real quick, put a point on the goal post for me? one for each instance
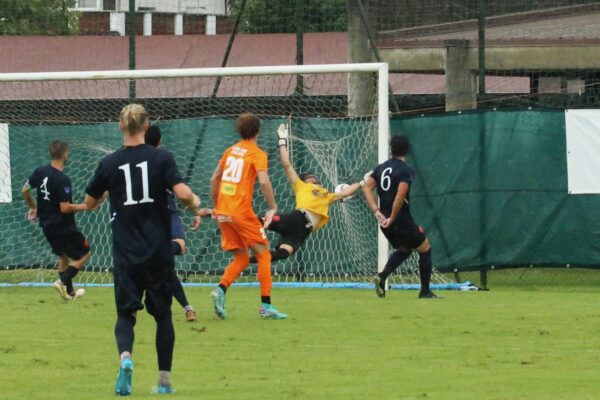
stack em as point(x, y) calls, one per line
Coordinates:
point(196, 110)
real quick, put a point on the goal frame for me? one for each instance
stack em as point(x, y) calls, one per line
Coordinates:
point(381, 69)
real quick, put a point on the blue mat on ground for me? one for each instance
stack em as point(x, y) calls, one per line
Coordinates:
point(316, 285)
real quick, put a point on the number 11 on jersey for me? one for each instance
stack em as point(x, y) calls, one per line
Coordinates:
point(143, 166)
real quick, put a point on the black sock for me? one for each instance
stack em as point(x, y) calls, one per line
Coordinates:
point(178, 292)
point(425, 270)
point(176, 248)
point(67, 276)
point(223, 288)
point(278, 254)
point(396, 258)
point(265, 299)
point(124, 333)
point(165, 341)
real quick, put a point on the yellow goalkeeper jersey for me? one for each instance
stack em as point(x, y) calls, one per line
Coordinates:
point(313, 198)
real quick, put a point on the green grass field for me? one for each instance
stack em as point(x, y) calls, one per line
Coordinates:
point(508, 343)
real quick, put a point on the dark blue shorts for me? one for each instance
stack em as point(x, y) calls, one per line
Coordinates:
point(71, 244)
point(149, 284)
point(177, 231)
point(404, 234)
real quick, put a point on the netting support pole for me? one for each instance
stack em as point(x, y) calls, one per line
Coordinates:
point(383, 140)
point(131, 31)
point(229, 45)
point(299, 45)
point(483, 279)
point(481, 38)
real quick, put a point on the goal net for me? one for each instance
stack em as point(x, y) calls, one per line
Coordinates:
point(338, 117)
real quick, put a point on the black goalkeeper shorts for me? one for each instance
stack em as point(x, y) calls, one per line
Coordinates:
point(151, 282)
point(404, 234)
point(293, 227)
point(71, 243)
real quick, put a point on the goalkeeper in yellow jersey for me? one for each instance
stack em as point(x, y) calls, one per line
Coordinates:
point(312, 205)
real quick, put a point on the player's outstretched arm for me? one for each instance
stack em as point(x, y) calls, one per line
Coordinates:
point(283, 135)
point(267, 189)
point(26, 192)
point(68, 208)
point(349, 191)
point(187, 197)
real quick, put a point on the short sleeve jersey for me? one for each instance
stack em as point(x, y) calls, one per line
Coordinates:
point(388, 176)
point(313, 198)
point(137, 179)
point(53, 187)
point(240, 164)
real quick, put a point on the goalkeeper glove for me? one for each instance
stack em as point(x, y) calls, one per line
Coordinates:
point(283, 134)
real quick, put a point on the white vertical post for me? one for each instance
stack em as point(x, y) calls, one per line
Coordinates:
point(147, 24)
point(178, 24)
point(383, 142)
point(5, 182)
point(117, 22)
point(211, 24)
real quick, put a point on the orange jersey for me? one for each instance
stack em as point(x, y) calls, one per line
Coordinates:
point(240, 164)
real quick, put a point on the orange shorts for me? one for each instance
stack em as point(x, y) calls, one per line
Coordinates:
point(241, 231)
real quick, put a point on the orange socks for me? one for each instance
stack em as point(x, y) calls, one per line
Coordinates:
point(264, 273)
point(240, 262)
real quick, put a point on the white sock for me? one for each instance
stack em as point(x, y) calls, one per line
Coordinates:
point(125, 354)
point(164, 378)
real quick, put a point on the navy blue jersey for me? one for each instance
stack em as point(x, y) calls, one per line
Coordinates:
point(388, 176)
point(171, 202)
point(53, 187)
point(137, 179)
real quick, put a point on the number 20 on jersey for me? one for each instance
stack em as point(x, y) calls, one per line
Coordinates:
point(232, 175)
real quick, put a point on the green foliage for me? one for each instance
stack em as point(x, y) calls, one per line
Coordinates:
point(338, 344)
point(38, 17)
point(289, 16)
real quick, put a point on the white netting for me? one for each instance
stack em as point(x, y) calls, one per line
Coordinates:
point(197, 126)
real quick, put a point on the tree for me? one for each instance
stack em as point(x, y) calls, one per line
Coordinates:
point(38, 17)
point(282, 16)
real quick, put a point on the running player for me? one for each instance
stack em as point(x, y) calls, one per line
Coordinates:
point(55, 213)
point(232, 187)
point(312, 205)
point(153, 138)
point(392, 180)
point(137, 178)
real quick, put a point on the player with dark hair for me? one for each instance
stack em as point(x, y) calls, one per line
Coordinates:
point(232, 187)
point(153, 138)
point(137, 178)
point(55, 213)
point(393, 179)
point(312, 205)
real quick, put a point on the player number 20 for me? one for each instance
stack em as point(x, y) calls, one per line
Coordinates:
point(233, 169)
point(143, 166)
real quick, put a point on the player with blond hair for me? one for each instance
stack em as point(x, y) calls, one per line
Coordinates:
point(137, 177)
point(232, 187)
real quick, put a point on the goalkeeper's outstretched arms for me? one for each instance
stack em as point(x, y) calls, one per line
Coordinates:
point(350, 190)
point(283, 135)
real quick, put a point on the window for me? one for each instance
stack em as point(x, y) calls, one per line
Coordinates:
point(89, 4)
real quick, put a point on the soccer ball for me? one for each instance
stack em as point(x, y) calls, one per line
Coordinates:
point(341, 187)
